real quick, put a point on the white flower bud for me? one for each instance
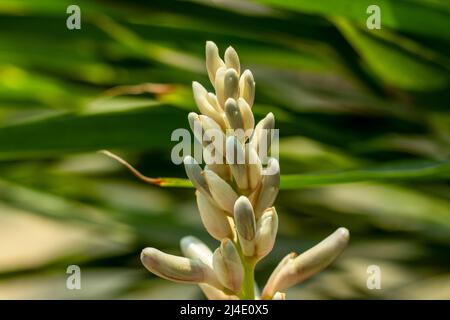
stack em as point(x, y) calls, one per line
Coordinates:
point(233, 114)
point(245, 225)
point(247, 115)
point(308, 263)
point(214, 219)
point(231, 84)
point(270, 186)
point(262, 135)
point(215, 294)
point(247, 87)
point(204, 105)
point(228, 266)
point(222, 170)
point(221, 191)
point(266, 232)
point(254, 167)
point(213, 60)
point(212, 99)
point(220, 85)
point(232, 59)
point(236, 159)
point(279, 296)
point(271, 282)
point(178, 269)
point(193, 248)
point(194, 173)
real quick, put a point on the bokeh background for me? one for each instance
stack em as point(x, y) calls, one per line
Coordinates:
point(364, 122)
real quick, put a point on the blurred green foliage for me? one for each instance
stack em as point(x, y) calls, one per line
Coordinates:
point(364, 123)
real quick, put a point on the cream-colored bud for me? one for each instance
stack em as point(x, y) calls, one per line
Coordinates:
point(254, 167)
point(204, 105)
point(215, 294)
point(213, 138)
point(193, 248)
point(236, 159)
point(221, 191)
point(262, 135)
point(214, 218)
point(233, 114)
point(178, 269)
point(266, 232)
point(220, 85)
point(246, 114)
point(228, 266)
point(245, 225)
point(212, 99)
point(270, 186)
point(247, 87)
point(194, 173)
point(196, 126)
point(232, 59)
point(213, 60)
point(221, 169)
point(308, 263)
point(279, 296)
point(231, 84)
point(272, 279)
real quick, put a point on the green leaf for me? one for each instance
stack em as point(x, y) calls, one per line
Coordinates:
point(427, 171)
point(393, 64)
point(412, 172)
point(408, 16)
point(141, 128)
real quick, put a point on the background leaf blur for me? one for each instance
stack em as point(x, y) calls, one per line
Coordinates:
point(364, 124)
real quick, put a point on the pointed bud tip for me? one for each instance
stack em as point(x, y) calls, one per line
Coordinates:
point(343, 233)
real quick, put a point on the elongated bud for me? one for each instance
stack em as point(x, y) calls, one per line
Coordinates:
point(213, 60)
point(204, 105)
point(269, 187)
point(236, 159)
point(247, 87)
point(245, 225)
point(220, 85)
point(196, 126)
point(178, 269)
point(232, 59)
point(193, 248)
point(279, 296)
point(213, 138)
point(212, 99)
point(215, 294)
point(246, 114)
point(262, 135)
point(308, 263)
point(194, 173)
point(254, 167)
point(228, 266)
point(214, 219)
point(221, 191)
point(233, 114)
point(222, 170)
point(231, 84)
point(266, 233)
point(272, 279)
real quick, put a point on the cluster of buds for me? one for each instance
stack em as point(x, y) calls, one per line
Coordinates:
point(235, 193)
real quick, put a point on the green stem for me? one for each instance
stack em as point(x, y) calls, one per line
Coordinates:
point(248, 287)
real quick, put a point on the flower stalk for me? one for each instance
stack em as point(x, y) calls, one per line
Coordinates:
point(236, 191)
